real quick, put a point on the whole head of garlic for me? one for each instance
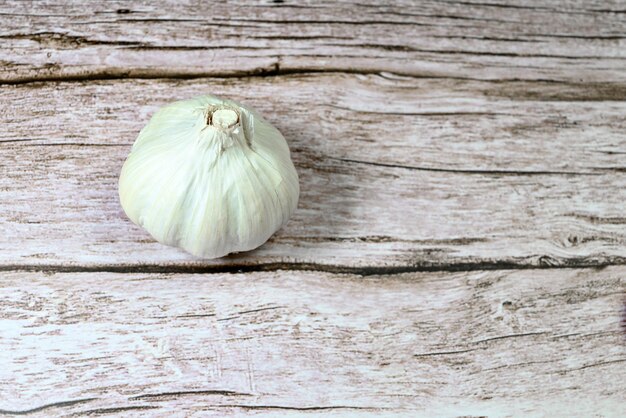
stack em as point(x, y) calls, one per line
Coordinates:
point(209, 176)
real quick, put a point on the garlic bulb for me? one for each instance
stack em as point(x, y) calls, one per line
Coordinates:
point(210, 176)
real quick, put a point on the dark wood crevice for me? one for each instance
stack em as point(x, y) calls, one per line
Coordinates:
point(297, 408)
point(548, 90)
point(164, 395)
point(533, 8)
point(542, 262)
point(62, 404)
point(114, 410)
point(141, 74)
point(477, 171)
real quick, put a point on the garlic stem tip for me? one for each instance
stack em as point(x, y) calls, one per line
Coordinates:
point(224, 118)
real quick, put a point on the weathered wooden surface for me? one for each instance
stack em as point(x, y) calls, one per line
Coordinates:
point(518, 342)
point(476, 177)
point(462, 217)
point(566, 40)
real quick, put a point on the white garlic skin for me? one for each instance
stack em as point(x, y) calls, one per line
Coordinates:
point(211, 190)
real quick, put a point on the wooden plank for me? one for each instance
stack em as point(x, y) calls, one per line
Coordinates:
point(482, 139)
point(569, 41)
point(295, 342)
point(480, 176)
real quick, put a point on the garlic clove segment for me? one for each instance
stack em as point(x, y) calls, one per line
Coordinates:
point(210, 176)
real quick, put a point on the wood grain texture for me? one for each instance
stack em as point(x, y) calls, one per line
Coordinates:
point(460, 244)
point(481, 343)
point(563, 40)
point(396, 173)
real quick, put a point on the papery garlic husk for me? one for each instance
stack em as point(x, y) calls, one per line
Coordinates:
point(209, 176)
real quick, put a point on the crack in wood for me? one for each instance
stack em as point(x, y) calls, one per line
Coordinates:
point(445, 353)
point(504, 6)
point(599, 220)
point(28, 143)
point(114, 410)
point(564, 36)
point(298, 408)
point(295, 36)
point(388, 238)
point(516, 365)
point(323, 22)
point(195, 316)
point(406, 48)
point(467, 350)
point(451, 113)
point(542, 262)
point(64, 39)
point(515, 88)
point(262, 309)
point(489, 172)
point(146, 74)
point(524, 7)
point(61, 404)
point(502, 337)
point(235, 316)
point(164, 395)
point(587, 366)
point(588, 335)
point(228, 318)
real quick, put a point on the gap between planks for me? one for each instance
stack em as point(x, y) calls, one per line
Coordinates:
point(542, 263)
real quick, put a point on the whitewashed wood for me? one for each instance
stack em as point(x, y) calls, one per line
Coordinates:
point(516, 342)
point(567, 40)
point(408, 162)
point(395, 173)
point(581, 307)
